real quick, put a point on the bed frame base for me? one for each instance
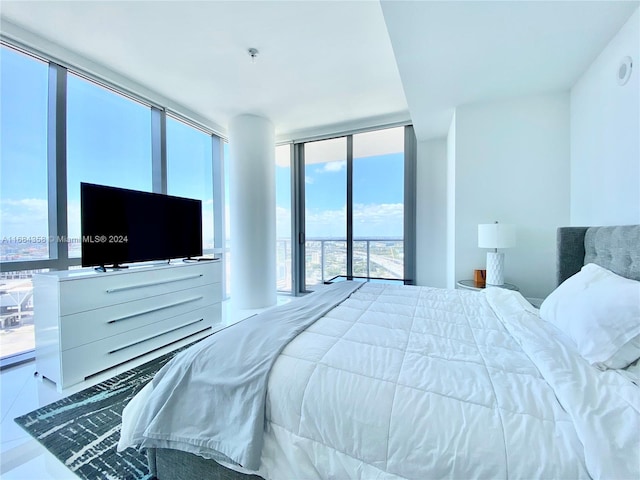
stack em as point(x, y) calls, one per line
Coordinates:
point(165, 464)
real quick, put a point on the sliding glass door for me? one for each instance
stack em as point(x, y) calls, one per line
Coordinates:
point(325, 200)
point(378, 204)
point(352, 195)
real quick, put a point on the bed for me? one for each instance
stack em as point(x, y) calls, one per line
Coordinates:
point(390, 381)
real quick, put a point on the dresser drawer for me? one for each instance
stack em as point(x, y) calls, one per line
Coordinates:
point(87, 327)
point(86, 360)
point(89, 322)
point(112, 288)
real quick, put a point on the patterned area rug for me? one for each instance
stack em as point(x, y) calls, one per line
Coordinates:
point(83, 430)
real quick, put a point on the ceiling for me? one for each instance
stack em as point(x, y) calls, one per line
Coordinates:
point(453, 53)
point(320, 64)
point(323, 66)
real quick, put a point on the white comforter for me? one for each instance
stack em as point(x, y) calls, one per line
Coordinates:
point(413, 382)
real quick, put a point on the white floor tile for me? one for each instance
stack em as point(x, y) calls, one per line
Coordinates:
point(28, 460)
point(12, 381)
point(22, 457)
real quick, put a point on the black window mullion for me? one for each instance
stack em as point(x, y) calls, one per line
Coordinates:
point(298, 221)
point(410, 168)
point(349, 206)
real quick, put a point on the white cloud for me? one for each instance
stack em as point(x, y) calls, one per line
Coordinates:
point(377, 212)
point(73, 219)
point(369, 221)
point(24, 217)
point(378, 220)
point(331, 167)
point(28, 203)
point(283, 222)
point(326, 223)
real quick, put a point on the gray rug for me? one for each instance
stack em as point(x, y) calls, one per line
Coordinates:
point(83, 430)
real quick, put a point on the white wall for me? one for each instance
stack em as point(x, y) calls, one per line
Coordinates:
point(431, 214)
point(512, 165)
point(605, 138)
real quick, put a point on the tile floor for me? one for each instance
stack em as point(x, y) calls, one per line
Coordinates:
point(22, 457)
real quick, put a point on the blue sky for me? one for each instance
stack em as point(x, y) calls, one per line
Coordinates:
point(377, 197)
point(109, 142)
point(23, 147)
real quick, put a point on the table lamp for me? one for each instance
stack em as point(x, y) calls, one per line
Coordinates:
point(495, 236)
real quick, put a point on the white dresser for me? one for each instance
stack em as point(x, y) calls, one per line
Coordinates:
point(87, 322)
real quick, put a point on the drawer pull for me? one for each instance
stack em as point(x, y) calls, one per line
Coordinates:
point(142, 340)
point(156, 309)
point(153, 284)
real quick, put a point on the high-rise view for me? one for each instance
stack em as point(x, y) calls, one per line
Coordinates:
point(377, 208)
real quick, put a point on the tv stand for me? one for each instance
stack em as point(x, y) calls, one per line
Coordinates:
point(89, 323)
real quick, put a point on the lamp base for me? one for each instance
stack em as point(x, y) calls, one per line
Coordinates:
point(495, 268)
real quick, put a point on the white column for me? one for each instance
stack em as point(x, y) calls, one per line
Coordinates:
point(252, 212)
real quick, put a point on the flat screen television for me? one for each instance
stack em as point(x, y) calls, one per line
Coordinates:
point(121, 226)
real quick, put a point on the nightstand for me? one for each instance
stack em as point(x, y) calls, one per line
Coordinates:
point(471, 285)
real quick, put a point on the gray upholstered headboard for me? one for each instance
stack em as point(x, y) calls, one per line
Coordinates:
point(614, 248)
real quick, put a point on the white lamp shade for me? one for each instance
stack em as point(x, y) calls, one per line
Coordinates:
point(496, 235)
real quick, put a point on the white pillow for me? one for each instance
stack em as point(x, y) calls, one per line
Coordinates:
point(600, 311)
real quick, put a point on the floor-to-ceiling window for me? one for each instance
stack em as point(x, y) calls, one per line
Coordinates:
point(108, 143)
point(325, 203)
point(24, 207)
point(190, 172)
point(58, 129)
point(351, 207)
point(378, 204)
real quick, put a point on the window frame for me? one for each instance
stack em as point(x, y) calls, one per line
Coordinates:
point(298, 199)
point(57, 170)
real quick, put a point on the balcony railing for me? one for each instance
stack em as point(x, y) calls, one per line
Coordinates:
point(327, 258)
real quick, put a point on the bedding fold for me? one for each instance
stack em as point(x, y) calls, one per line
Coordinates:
point(210, 399)
point(604, 405)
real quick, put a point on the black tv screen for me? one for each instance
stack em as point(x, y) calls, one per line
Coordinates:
point(124, 226)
